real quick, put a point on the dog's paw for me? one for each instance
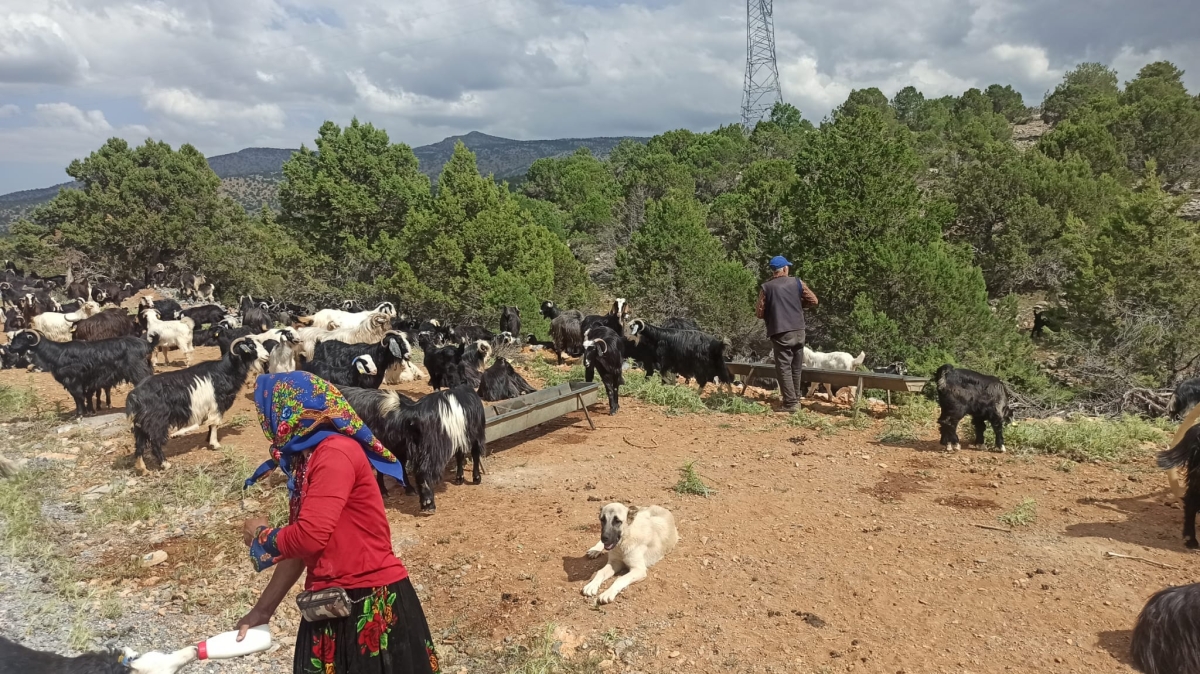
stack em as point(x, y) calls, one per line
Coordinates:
point(607, 597)
point(591, 589)
point(592, 554)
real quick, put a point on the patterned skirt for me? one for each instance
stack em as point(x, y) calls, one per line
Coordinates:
point(386, 633)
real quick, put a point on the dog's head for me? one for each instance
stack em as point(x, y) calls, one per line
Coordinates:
point(614, 521)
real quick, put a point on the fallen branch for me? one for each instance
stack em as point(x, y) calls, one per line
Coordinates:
point(994, 528)
point(654, 446)
point(1141, 559)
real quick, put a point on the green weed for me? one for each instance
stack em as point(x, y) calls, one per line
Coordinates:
point(553, 376)
point(690, 482)
point(1085, 439)
point(1024, 514)
point(542, 656)
point(17, 402)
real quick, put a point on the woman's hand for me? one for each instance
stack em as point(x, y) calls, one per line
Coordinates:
point(257, 616)
point(250, 528)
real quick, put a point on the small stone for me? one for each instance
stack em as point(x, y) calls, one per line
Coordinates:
point(606, 664)
point(673, 655)
point(154, 558)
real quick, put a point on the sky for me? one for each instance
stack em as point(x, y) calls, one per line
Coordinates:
point(228, 74)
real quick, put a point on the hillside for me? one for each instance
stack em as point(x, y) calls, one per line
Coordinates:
point(251, 176)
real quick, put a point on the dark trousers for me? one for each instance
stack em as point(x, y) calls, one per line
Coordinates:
point(789, 360)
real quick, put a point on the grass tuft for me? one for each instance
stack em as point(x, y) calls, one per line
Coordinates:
point(812, 421)
point(729, 403)
point(1024, 514)
point(690, 482)
point(553, 376)
point(543, 656)
point(1083, 439)
point(17, 402)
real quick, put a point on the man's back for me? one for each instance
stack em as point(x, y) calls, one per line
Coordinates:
point(783, 307)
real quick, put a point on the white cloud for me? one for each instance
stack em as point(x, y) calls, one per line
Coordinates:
point(1028, 60)
point(407, 103)
point(67, 115)
point(34, 48)
point(9, 110)
point(187, 106)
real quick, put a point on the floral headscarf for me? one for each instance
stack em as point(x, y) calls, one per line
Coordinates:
point(297, 411)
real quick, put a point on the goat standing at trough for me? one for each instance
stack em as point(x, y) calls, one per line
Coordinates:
point(687, 353)
point(966, 392)
point(616, 319)
point(566, 330)
point(188, 399)
point(602, 351)
point(501, 382)
point(426, 435)
point(510, 320)
point(358, 365)
point(1165, 635)
point(834, 360)
point(86, 367)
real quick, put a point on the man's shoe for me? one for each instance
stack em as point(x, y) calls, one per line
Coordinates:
point(789, 409)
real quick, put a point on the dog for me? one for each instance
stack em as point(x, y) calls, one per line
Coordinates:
point(17, 658)
point(635, 539)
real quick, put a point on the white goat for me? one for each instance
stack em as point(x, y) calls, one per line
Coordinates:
point(334, 319)
point(403, 371)
point(57, 327)
point(368, 331)
point(834, 360)
point(282, 358)
point(171, 335)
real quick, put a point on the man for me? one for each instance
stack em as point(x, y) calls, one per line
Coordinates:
point(781, 303)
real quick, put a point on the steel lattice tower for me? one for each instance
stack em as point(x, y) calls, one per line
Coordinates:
point(762, 72)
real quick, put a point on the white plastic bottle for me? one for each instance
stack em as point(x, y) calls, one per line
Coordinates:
point(226, 645)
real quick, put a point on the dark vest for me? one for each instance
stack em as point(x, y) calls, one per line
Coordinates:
point(782, 309)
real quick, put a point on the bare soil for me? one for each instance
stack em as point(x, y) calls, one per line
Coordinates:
point(821, 553)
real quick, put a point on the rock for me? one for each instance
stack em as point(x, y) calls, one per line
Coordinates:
point(55, 456)
point(606, 664)
point(154, 558)
point(249, 504)
point(673, 655)
point(102, 489)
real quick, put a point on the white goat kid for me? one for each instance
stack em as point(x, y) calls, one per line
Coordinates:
point(834, 360)
point(171, 335)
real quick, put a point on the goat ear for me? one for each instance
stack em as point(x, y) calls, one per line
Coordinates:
point(395, 348)
point(362, 368)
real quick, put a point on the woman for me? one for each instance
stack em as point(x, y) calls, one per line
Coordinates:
point(337, 532)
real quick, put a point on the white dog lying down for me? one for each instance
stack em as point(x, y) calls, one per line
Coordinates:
point(635, 538)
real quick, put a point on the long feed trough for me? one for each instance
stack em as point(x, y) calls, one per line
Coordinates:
point(513, 416)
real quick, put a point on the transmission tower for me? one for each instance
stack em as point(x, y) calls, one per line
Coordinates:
point(762, 72)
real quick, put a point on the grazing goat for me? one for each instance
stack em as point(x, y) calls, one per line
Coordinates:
point(359, 365)
point(510, 320)
point(834, 360)
point(1164, 637)
point(616, 318)
point(1186, 453)
point(188, 399)
point(501, 382)
point(1185, 397)
point(57, 327)
point(206, 314)
point(426, 434)
point(566, 329)
point(170, 334)
point(105, 325)
point(602, 351)
point(687, 353)
point(966, 392)
point(86, 367)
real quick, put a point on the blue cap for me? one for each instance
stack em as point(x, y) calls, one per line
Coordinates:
point(779, 262)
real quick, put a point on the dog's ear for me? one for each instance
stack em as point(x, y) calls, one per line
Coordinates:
point(633, 511)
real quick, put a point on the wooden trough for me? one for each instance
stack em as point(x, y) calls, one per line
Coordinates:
point(513, 416)
point(835, 378)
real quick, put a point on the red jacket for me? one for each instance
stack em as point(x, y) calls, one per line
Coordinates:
point(342, 532)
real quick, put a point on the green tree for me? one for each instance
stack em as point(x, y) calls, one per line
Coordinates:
point(1160, 121)
point(1089, 85)
point(1007, 102)
point(581, 186)
point(342, 197)
point(908, 103)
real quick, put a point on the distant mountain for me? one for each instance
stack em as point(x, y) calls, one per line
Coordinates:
point(251, 176)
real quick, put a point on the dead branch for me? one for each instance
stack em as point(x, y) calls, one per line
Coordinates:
point(994, 528)
point(631, 444)
point(1140, 559)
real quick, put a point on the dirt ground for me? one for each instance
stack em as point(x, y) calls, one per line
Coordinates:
point(816, 553)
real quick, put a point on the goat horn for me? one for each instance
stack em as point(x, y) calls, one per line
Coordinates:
point(602, 346)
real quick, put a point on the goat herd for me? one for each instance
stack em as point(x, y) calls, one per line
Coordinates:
point(90, 344)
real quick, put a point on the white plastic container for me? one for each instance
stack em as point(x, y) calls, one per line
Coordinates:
point(226, 645)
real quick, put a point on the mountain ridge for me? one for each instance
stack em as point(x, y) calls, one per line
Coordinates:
point(252, 175)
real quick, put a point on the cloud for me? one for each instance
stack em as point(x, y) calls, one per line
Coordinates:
point(9, 110)
point(67, 115)
point(227, 74)
point(187, 106)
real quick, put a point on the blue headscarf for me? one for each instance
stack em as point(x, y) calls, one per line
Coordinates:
point(297, 411)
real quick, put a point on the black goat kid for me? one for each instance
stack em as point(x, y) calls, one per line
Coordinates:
point(1164, 638)
point(602, 352)
point(189, 399)
point(968, 393)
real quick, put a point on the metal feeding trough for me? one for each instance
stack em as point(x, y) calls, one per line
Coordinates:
point(513, 416)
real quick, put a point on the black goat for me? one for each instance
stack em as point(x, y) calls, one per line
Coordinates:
point(426, 434)
point(10, 360)
point(156, 275)
point(566, 329)
point(207, 314)
point(510, 320)
point(14, 320)
point(465, 334)
point(532, 340)
point(1187, 453)
point(1185, 397)
point(602, 351)
point(168, 309)
point(679, 323)
point(501, 382)
point(17, 658)
point(83, 368)
point(616, 318)
point(687, 353)
point(188, 399)
point(444, 364)
point(224, 336)
point(358, 365)
point(897, 367)
point(1164, 637)
point(966, 392)
point(107, 324)
point(257, 318)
